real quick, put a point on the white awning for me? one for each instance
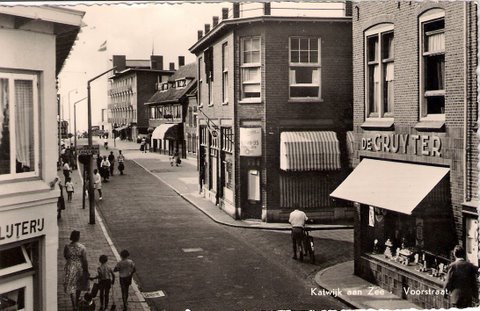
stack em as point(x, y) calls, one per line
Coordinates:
point(159, 132)
point(309, 151)
point(395, 186)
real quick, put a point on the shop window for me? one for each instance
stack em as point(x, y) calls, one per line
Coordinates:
point(250, 69)
point(18, 126)
point(253, 185)
point(379, 71)
point(471, 243)
point(432, 31)
point(225, 73)
point(13, 260)
point(305, 67)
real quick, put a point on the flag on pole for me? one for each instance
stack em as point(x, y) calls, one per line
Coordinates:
point(103, 46)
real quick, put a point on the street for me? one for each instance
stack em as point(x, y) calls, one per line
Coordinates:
point(201, 265)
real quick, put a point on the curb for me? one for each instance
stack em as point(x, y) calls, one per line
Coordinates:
point(235, 225)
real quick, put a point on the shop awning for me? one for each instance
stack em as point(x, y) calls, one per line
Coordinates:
point(395, 186)
point(165, 131)
point(309, 151)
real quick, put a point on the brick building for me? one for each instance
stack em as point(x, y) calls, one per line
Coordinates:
point(415, 111)
point(274, 105)
point(132, 84)
point(168, 109)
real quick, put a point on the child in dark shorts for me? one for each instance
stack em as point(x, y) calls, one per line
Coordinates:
point(106, 279)
point(126, 269)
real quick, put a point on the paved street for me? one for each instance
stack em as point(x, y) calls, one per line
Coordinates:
point(202, 265)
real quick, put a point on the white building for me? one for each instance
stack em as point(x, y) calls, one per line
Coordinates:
point(35, 43)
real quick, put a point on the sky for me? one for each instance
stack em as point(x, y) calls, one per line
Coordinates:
point(131, 30)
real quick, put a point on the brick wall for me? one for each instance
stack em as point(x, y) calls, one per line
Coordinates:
point(146, 82)
point(404, 16)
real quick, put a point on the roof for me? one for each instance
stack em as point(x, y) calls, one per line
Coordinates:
point(67, 24)
point(133, 70)
point(174, 94)
point(227, 24)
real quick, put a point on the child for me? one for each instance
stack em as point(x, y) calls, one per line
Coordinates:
point(126, 269)
point(70, 189)
point(106, 279)
point(87, 303)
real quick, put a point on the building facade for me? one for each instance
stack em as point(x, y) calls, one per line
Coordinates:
point(415, 185)
point(131, 85)
point(168, 109)
point(191, 122)
point(275, 103)
point(36, 41)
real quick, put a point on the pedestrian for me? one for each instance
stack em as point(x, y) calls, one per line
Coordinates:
point(99, 162)
point(87, 303)
point(121, 160)
point(142, 144)
point(126, 269)
point(97, 183)
point(106, 279)
point(61, 199)
point(105, 168)
point(70, 189)
point(461, 280)
point(111, 159)
point(66, 170)
point(105, 142)
point(177, 159)
point(172, 160)
point(76, 268)
point(297, 219)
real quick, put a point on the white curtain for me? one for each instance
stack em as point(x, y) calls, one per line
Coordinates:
point(436, 42)
point(24, 123)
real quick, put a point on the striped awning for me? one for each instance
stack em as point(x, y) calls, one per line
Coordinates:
point(309, 151)
point(350, 148)
point(165, 131)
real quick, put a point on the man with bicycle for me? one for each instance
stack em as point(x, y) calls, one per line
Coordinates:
point(297, 220)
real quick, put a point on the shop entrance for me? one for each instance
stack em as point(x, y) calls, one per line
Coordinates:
point(251, 190)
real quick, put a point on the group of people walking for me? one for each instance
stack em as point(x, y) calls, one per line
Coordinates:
point(77, 277)
point(105, 169)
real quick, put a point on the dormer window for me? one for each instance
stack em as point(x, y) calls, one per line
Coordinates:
point(164, 86)
point(181, 83)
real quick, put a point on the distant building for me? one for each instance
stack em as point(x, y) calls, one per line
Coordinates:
point(415, 184)
point(274, 105)
point(131, 85)
point(168, 109)
point(36, 41)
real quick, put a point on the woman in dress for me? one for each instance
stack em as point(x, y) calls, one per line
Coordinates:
point(76, 268)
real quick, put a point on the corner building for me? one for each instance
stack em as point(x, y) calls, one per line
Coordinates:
point(35, 44)
point(415, 183)
point(274, 106)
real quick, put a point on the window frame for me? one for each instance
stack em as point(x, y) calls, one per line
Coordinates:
point(11, 77)
point(248, 66)
point(427, 17)
point(225, 55)
point(317, 65)
point(200, 82)
point(379, 31)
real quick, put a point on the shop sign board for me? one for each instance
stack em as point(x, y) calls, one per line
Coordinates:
point(88, 150)
point(18, 225)
point(421, 145)
point(250, 141)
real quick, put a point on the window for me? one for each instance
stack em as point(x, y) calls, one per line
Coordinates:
point(225, 73)
point(433, 64)
point(250, 68)
point(181, 83)
point(19, 155)
point(200, 82)
point(379, 71)
point(253, 185)
point(305, 67)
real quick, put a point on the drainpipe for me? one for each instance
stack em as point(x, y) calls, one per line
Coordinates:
point(465, 106)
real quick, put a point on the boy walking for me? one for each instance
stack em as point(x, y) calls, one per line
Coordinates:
point(70, 189)
point(106, 279)
point(126, 269)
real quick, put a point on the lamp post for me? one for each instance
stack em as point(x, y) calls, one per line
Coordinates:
point(69, 109)
point(91, 194)
point(75, 120)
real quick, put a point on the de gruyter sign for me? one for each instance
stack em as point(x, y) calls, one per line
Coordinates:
point(421, 145)
point(251, 141)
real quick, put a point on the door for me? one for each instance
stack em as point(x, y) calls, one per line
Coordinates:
point(251, 190)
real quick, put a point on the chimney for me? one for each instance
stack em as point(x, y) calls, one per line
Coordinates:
point(214, 21)
point(119, 61)
point(224, 13)
point(199, 34)
point(267, 8)
point(156, 62)
point(207, 28)
point(236, 10)
point(181, 61)
point(172, 66)
point(348, 8)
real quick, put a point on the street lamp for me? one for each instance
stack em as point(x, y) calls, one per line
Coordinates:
point(69, 109)
point(91, 194)
point(75, 120)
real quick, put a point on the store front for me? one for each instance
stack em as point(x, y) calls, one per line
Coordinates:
point(167, 139)
point(404, 227)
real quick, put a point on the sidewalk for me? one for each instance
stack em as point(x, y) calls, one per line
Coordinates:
point(96, 240)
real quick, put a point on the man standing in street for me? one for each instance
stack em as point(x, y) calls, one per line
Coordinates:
point(461, 280)
point(111, 159)
point(297, 220)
